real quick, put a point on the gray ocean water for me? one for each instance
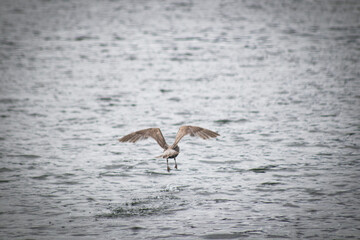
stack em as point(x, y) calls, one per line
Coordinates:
point(278, 80)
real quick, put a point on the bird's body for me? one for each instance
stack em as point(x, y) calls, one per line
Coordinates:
point(170, 153)
point(173, 150)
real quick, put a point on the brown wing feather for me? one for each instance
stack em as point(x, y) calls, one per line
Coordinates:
point(154, 133)
point(194, 131)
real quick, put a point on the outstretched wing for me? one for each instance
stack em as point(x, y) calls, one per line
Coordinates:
point(154, 133)
point(194, 131)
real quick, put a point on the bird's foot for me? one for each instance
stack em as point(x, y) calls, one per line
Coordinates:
point(176, 166)
point(168, 169)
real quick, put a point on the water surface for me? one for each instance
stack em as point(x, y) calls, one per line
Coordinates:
point(279, 81)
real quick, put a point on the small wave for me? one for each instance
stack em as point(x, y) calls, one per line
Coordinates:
point(234, 235)
point(30, 156)
point(37, 115)
point(67, 183)
point(263, 169)
point(4, 169)
point(41, 177)
point(230, 170)
point(314, 192)
point(227, 121)
point(144, 207)
point(175, 99)
point(65, 176)
point(153, 173)
point(8, 100)
point(221, 200)
point(297, 144)
point(270, 183)
point(118, 166)
point(165, 90)
point(85, 37)
point(121, 212)
point(291, 205)
point(118, 126)
point(5, 181)
point(211, 162)
point(171, 188)
point(115, 174)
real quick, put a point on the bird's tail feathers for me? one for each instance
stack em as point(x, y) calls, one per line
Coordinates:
point(160, 156)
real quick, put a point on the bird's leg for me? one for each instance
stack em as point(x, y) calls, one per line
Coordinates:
point(167, 163)
point(175, 163)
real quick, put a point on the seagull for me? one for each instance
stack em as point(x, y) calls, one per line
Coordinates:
point(170, 151)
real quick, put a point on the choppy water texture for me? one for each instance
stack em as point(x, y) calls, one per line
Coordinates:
point(279, 80)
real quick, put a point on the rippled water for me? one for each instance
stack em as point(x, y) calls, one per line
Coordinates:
point(279, 80)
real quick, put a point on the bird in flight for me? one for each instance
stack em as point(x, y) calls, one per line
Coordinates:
point(170, 151)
